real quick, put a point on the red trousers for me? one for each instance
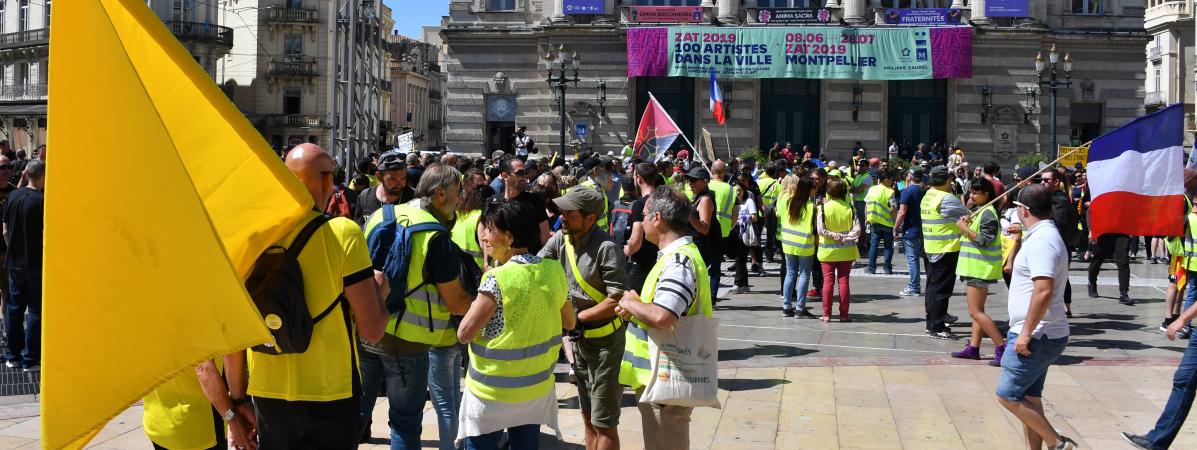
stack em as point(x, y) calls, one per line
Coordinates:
point(832, 272)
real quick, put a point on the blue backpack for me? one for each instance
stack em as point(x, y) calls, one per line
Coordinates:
point(390, 246)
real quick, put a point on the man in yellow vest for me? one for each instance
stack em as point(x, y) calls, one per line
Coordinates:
point(420, 353)
point(939, 211)
point(595, 268)
point(879, 212)
point(726, 210)
point(770, 187)
point(311, 399)
point(677, 286)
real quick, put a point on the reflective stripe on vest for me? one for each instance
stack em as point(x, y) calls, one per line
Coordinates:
point(983, 263)
point(517, 365)
point(769, 189)
point(837, 217)
point(794, 241)
point(939, 234)
point(725, 201)
point(605, 329)
point(878, 205)
point(636, 368)
point(426, 319)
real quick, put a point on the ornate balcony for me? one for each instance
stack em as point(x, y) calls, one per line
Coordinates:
point(27, 38)
point(290, 16)
point(195, 32)
point(1167, 12)
point(297, 67)
point(294, 121)
point(23, 92)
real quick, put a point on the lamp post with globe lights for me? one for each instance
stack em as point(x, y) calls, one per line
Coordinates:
point(1054, 83)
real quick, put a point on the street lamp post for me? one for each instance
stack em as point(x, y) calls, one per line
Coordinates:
point(1054, 83)
point(560, 81)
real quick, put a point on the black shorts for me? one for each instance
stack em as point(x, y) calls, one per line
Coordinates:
point(329, 425)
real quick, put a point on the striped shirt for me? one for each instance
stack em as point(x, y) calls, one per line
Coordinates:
point(678, 284)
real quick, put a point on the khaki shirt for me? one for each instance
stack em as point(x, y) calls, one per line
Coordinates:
point(601, 262)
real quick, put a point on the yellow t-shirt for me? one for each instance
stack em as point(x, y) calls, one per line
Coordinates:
point(336, 256)
point(178, 415)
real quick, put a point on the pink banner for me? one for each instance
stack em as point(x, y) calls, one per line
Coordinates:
point(667, 14)
point(648, 52)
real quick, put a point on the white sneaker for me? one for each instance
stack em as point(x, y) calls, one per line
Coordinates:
point(909, 293)
point(739, 290)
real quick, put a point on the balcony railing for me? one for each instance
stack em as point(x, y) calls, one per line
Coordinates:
point(289, 15)
point(201, 32)
point(294, 121)
point(1155, 98)
point(293, 67)
point(384, 85)
point(22, 92)
point(27, 38)
point(1164, 13)
point(1155, 52)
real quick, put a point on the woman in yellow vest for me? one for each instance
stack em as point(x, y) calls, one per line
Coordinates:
point(469, 211)
point(980, 265)
point(796, 220)
point(513, 330)
point(838, 232)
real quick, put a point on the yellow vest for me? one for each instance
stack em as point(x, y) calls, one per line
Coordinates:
point(769, 188)
point(517, 366)
point(602, 218)
point(177, 415)
point(837, 217)
point(725, 201)
point(798, 236)
point(878, 207)
point(983, 263)
point(1190, 242)
point(636, 369)
point(426, 319)
point(465, 234)
point(939, 234)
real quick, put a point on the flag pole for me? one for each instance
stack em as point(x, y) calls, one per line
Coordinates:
point(1040, 171)
point(727, 139)
point(680, 132)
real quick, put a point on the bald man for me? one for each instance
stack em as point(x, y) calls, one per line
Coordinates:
point(308, 400)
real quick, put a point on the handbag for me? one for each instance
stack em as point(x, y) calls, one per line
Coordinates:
point(685, 366)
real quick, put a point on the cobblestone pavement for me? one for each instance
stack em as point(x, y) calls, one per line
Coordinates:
point(877, 382)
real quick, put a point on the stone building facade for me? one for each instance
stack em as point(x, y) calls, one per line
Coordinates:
point(496, 80)
point(1170, 58)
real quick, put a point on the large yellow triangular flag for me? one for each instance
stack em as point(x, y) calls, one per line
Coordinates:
point(142, 279)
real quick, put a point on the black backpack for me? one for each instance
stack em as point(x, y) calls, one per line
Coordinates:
point(276, 286)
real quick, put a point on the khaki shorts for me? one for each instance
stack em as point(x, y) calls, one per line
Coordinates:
point(596, 364)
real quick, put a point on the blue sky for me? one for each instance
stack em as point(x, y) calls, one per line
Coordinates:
point(411, 15)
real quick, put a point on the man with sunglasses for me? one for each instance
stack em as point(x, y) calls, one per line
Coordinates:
point(1065, 217)
point(392, 187)
point(515, 177)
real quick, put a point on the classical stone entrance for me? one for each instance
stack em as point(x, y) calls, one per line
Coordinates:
point(789, 113)
point(918, 113)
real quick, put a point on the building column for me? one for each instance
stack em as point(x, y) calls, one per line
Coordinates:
point(611, 16)
point(832, 4)
point(557, 13)
point(854, 11)
point(978, 8)
point(957, 4)
point(729, 11)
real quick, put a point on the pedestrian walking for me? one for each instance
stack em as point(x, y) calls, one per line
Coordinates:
point(940, 210)
point(1038, 326)
point(979, 266)
point(879, 206)
point(908, 227)
point(838, 232)
point(676, 287)
point(796, 216)
point(513, 330)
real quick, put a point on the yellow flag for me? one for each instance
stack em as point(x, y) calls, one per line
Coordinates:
point(161, 196)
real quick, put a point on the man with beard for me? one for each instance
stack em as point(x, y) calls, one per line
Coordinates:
point(392, 187)
point(515, 178)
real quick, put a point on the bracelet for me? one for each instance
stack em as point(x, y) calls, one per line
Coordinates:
point(240, 401)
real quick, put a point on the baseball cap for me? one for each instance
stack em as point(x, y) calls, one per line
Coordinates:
point(580, 198)
point(1025, 172)
point(874, 161)
point(392, 160)
point(589, 164)
point(918, 172)
point(939, 175)
point(698, 173)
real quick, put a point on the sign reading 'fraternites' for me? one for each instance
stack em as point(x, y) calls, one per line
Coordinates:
point(801, 52)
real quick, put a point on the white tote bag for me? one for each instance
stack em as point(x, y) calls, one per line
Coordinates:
point(685, 363)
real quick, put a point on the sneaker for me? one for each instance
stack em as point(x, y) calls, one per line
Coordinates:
point(804, 314)
point(813, 293)
point(1185, 332)
point(787, 312)
point(1125, 300)
point(573, 376)
point(739, 290)
point(1164, 325)
point(909, 293)
point(944, 334)
point(997, 356)
point(1066, 443)
point(1137, 440)
point(950, 319)
point(969, 352)
point(1092, 291)
point(33, 368)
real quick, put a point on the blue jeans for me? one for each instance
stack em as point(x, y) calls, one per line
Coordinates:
point(1024, 376)
point(444, 385)
point(796, 281)
point(23, 320)
point(407, 385)
point(1190, 292)
point(913, 241)
point(523, 437)
point(1184, 385)
point(882, 235)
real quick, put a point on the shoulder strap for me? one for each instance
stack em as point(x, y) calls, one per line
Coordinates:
point(577, 275)
point(770, 188)
point(388, 213)
point(304, 235)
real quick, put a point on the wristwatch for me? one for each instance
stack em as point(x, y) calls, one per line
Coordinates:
point(240, 401)
point(230, 415)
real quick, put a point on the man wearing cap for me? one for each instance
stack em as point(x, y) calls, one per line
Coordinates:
point(705, 227)
point(939, 211)
point(594, 266)
point(392, 188)
point(908, 226)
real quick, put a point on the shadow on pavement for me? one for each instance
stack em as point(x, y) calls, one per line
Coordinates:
point(887, 318)
point(1108, 344)
point(1087, 328)
point(1069, 360)
point(741, 384)
point(776, 351)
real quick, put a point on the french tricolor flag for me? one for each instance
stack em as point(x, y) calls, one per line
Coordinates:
point(716, 100)
point(1136, 177)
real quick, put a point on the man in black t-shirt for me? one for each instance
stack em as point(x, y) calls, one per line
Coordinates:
point(515, 183)
point(23, 216)
point(392, 187)
point(641, 251)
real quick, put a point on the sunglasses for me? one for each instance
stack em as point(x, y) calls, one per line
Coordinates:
point(519, 173)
